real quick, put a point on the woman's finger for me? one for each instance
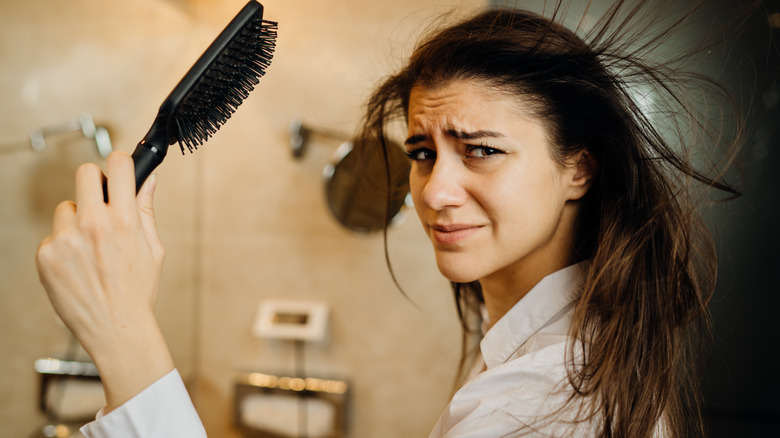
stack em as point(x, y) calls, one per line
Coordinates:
point(89, 187)
point(121, 180)
point(64, 217)
point(145, 201)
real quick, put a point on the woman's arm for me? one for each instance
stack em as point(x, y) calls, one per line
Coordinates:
point(101, 268)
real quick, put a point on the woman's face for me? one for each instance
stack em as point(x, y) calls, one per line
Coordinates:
point(488, 193)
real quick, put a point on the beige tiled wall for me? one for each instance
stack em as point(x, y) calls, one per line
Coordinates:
point(242, 220)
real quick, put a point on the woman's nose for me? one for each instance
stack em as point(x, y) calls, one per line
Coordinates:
point(444, 187)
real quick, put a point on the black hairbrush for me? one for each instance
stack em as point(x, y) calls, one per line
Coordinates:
point(212, 89)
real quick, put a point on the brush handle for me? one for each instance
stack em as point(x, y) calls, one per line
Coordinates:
point(146, 158)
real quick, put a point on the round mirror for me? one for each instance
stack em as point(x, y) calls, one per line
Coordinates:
point(356, 185)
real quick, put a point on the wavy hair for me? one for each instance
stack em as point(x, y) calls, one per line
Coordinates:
point(641, 318)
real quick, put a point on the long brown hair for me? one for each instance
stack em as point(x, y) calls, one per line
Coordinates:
point(642, 313)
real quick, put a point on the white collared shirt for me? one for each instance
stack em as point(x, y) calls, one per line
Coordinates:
point(523, 382)
point(522, 388)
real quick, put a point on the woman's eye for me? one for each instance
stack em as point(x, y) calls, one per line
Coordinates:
point(421, 154)
point(483, 151)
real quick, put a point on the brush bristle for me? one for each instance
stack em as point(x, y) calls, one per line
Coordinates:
point(226, 84)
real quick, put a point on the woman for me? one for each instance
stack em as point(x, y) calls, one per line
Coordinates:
point(554, 205)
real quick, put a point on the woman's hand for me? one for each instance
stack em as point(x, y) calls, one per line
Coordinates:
point(101, 268)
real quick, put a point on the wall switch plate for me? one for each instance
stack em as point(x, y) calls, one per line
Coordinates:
point(291, 320)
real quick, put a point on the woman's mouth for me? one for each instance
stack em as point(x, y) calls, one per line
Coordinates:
point(452, 234)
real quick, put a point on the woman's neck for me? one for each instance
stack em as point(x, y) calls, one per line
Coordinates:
point(505, 287)
point(502, 291)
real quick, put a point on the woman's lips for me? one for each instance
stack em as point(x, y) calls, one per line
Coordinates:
point(451, 234)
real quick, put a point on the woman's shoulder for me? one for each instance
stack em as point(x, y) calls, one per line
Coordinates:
point(531, 390)
point(537, 378)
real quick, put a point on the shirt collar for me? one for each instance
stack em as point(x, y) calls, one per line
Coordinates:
point(540, 306)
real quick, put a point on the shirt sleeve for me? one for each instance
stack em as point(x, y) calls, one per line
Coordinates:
point(164, 409)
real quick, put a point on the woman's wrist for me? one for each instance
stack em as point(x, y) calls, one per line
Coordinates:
point(130, 360)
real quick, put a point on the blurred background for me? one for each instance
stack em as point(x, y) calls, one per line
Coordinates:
point(245, 221)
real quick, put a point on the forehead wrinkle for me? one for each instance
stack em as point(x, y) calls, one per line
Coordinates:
point(525, 105)
point(438, 111)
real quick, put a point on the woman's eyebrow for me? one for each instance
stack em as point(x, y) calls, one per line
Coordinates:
point(463, 135)
point(414, 139)
point(460, 135)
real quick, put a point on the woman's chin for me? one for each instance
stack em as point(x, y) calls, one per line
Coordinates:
point(457, 274)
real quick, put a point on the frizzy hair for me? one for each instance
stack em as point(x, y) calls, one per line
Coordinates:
point(641, 317)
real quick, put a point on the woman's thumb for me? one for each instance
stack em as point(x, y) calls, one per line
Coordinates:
point(145, 201)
